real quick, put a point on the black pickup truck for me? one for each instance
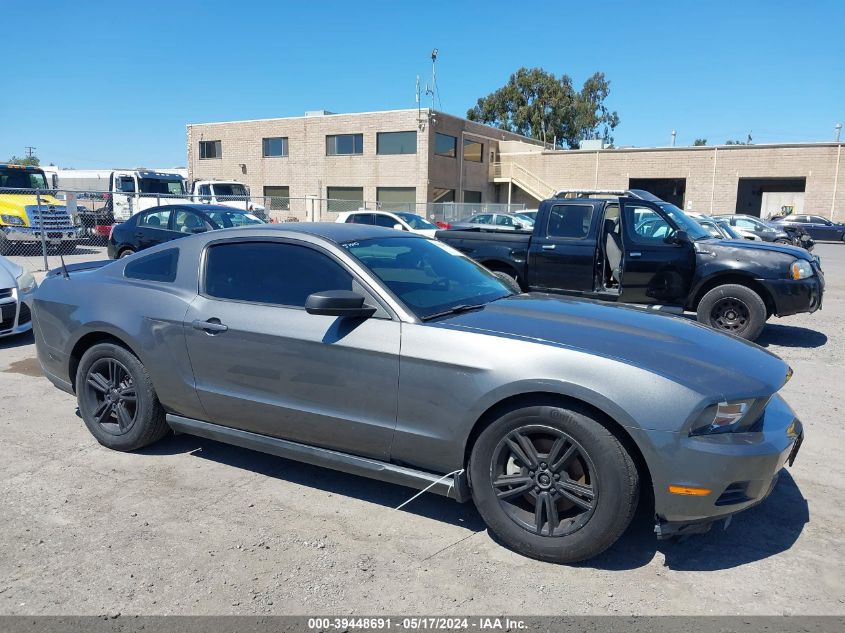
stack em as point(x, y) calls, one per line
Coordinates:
point(637, 249)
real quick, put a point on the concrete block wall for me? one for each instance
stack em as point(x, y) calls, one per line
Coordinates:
point(712, 173)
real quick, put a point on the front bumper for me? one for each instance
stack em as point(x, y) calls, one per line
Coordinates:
point(739, 469)
point(29, 235)
point(792, 296)
point(15, 315)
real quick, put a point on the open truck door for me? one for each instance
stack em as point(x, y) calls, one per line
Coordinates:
point(124, 192)
point(658, 257)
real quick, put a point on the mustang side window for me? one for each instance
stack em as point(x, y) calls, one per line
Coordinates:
point(271, 272)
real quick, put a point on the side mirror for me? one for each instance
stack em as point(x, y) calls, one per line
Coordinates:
point(517, 226)
point(339, 303)
point(398, 227)
point(678, 237)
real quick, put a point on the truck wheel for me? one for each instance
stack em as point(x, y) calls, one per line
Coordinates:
point(552, 483)
point(117, 400)
point(126, 252)
point(733, 308)
point(784, 241)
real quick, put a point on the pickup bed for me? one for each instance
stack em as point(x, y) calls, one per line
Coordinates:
point(638, 249)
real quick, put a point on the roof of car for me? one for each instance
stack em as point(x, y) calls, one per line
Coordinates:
point(332, 231)
point(210, 208)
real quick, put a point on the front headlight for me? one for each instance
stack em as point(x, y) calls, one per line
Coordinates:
point(12, 220)
point(800, 269)
point(26, 282)
point(728, 417)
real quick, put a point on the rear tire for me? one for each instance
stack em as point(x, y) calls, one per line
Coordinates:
point(117, 400)
point(126, 252)
point(735, 309)
point(553, 483)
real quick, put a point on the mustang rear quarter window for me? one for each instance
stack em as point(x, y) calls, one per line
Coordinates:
point(159, 266)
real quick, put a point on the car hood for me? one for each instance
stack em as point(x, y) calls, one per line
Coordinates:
point(9, 272)
point(794, 251)
point(19, 201)
point(709, 362)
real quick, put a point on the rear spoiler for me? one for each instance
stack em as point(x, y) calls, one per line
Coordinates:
point(71, 268)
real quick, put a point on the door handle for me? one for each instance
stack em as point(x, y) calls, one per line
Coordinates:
point(635, 254)
point(212, 326)
point(548, 247)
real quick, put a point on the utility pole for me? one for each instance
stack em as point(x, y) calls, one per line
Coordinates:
point(30, 150)
point(674, 134)
point(838, 128)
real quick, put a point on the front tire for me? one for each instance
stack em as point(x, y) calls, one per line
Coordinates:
point(553, 483)
point(117, 400)
point(126, 252)
point(735, 309)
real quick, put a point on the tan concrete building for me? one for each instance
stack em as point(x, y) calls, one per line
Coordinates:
point(400, 158)
point(414, 158)
point(752, 179)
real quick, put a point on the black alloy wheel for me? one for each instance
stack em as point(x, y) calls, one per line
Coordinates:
point(545, 481)
point(111, 397)
point(730, 314)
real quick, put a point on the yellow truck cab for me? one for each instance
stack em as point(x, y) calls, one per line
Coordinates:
point(22, 220)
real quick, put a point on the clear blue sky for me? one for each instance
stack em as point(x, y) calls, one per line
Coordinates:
point(104, 84)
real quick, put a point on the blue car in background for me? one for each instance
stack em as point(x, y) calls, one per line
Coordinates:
point(818, 227)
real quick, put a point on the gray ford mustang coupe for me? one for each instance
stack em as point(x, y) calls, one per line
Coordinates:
point(393, 356)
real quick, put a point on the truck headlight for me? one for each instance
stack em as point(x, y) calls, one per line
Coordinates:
point(12, 220)
point(726, 417)
point(800, 269)
point(26, 282)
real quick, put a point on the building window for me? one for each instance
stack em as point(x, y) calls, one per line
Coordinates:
point(396, 143)
point(211, 149)
point(443, 195)
point(278, 198)
point(445, 145)
point(472, 197)
point(276, 146)
point(397, 198)
point(473, 151)
point(345, 198)
point(344, 144)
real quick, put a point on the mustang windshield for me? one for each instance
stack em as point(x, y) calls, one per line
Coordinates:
point(427, 276)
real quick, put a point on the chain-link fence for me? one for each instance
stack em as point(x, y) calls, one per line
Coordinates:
point(40, 228)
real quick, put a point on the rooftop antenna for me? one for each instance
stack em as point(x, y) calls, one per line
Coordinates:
point(432, 89)
point(420, 120)
point(65, 272)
